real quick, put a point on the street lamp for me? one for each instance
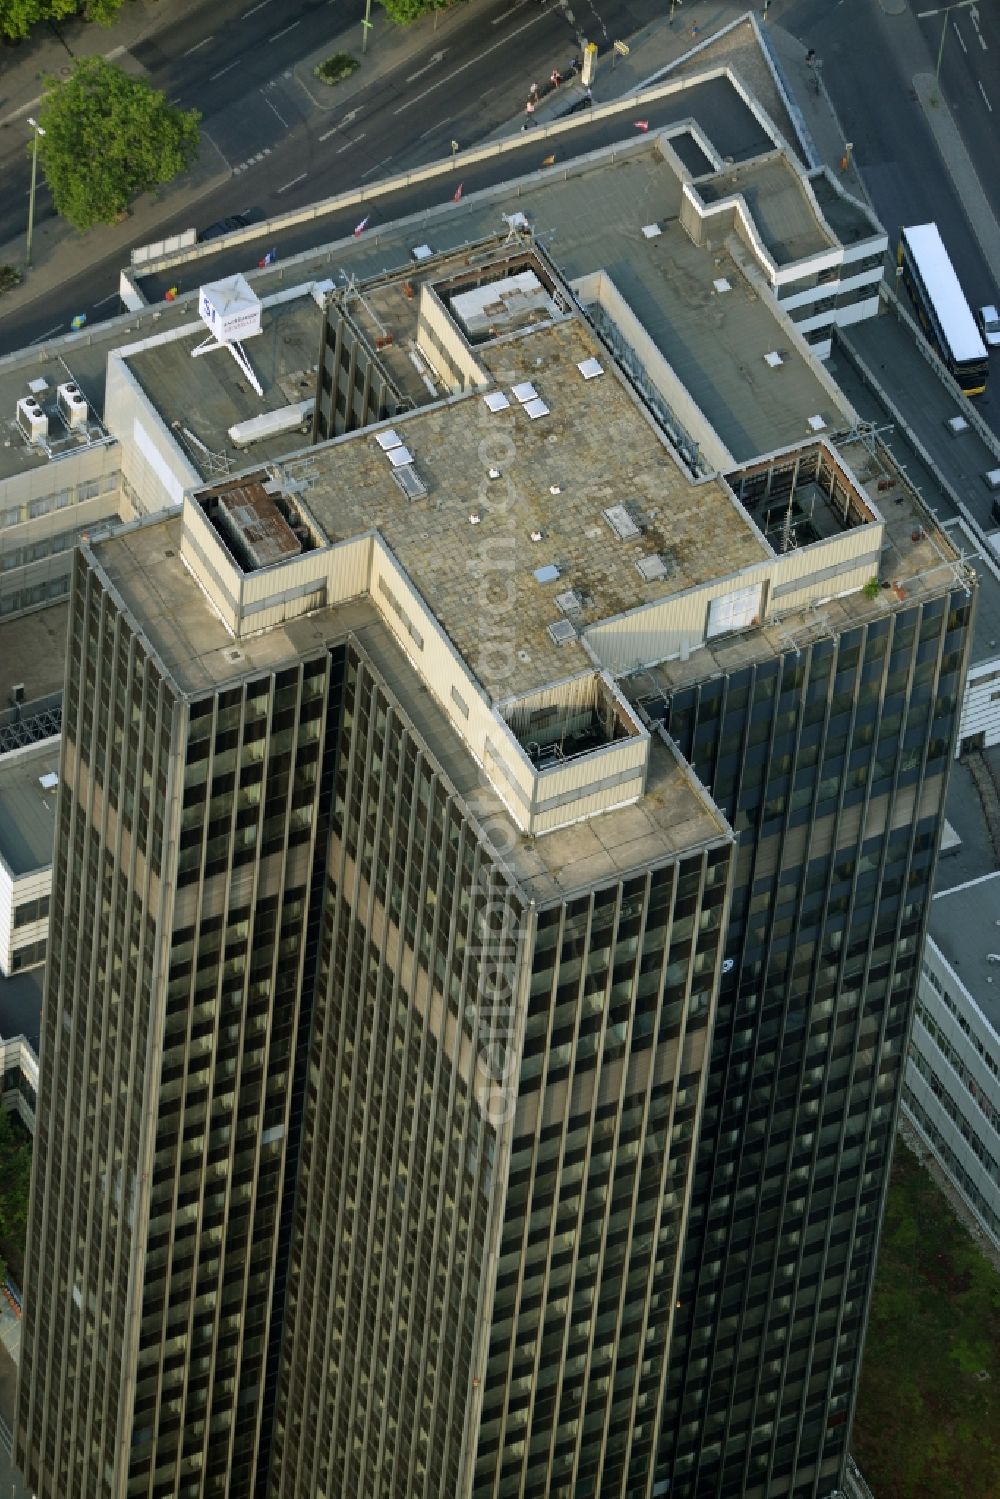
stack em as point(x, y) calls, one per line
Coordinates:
point(38, 131)
point(943, 10)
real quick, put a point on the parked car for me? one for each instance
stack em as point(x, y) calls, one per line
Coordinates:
point(989, 322)
point(231, 222)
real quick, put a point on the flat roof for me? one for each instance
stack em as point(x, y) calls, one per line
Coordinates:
point(965, 925)
point(674, 817)
point(142, 563)
point(559, 199)
point(739, 48)
point(207, 395)
point(986, 630)
point(918, 561)
point(780, 203)
point(81, 357)
point(850, 220)
point(349, 490)
point(83, 363)
point(715, 343)
point(27, 808)
point(21, 1006)
point(34, 652)
point(595, 448)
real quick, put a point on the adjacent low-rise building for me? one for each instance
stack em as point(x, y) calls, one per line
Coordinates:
point(952, 1086)
point(28, 782)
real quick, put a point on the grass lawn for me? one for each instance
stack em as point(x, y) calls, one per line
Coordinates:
point(928, 1417)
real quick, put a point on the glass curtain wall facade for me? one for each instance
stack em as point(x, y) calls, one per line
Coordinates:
point(598, 1180)
point(420, 958)
point(117, 778)
point(284, 1240)
point(832, 763)
point(189, 896)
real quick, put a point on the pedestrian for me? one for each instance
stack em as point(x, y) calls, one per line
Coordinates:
point(555, 78)
point(533, 91)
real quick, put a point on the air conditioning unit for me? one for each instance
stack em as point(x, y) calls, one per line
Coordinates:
point(32, 420)
point(72, 405)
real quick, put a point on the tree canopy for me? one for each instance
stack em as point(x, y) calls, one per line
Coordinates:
point(108, 138)
point(15, 1182)
point(405, 11)
point(18, 16)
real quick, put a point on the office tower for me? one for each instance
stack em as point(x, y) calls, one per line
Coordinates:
point(470, 1058)
point(830, 756)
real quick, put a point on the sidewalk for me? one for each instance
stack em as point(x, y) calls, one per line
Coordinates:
point(389, 47)
point(653, 52)
point(43, 55)
point(59, 253)
point(656, 52)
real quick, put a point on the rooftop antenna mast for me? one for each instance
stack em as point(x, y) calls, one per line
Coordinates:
point(351, 290)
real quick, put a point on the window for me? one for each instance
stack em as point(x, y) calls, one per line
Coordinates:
point(734, 611)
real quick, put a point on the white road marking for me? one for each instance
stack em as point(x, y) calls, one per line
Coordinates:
point(46, 335)
point(435, 58)
point(300, 178)
point(254, 9)
point(503, 42)
point(961, 39)
point(375, 167)
point(285, 30)
point(113, 297)
point(197, 45)
point(228, 68)
point(974, 18)
point(499, 20)
point(277, 111)
point(349, 144)
point(986, 101)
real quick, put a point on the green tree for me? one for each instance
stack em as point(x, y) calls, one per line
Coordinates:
point(108, 138)
point(405, 11)
point(102, 11)
point(15, 1185)
point(17, 17)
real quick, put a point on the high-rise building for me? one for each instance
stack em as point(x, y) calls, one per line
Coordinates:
point(492, 857)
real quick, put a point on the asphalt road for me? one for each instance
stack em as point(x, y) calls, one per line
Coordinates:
point(406, 119)
point(868, 61)
point(970, 81)
point(233, 61)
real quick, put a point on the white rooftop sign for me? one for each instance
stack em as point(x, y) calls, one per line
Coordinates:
point(230, 309)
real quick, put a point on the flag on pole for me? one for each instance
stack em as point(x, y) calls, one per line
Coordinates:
point(269, 259)
point(642, 124)
point(456, 196)
point(362, 226)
